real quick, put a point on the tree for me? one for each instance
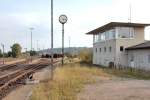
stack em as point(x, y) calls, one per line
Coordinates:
point(9, 54)
point(16, 50)
point(33, 53)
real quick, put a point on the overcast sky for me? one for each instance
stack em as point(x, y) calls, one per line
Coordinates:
point(17, 16)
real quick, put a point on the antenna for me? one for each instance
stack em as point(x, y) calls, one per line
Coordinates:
point(130, 14)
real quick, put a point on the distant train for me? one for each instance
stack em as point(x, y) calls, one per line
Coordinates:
point(49, 55)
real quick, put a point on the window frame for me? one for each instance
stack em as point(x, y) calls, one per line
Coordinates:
point(121, 48)
point(110, 49)
point(105, 49)
point(100, 50)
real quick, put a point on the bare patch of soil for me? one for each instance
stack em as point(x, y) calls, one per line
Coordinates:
point(117, 89)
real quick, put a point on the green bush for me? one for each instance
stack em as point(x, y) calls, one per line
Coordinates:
point(86, 55)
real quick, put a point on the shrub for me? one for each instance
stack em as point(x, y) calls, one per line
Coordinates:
point(86, 55)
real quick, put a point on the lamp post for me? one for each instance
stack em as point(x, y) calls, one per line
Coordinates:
point(31, 29)
point(63, 19)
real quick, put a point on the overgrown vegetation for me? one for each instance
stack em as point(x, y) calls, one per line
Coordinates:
point(68, 81)
point(86, 55)
point(33, 53)
point(129, 73)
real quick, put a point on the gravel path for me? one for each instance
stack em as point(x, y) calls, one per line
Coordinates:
point(117, 89)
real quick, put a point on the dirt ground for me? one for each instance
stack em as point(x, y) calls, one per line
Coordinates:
point(24, 92)
point(116, 89)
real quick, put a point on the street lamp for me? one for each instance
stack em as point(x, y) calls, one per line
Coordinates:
point(63, 19)
point(31, 29)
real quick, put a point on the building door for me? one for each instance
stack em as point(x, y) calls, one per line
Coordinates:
point(132, 61)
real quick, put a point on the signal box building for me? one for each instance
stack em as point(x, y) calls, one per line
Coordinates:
point(121, 44)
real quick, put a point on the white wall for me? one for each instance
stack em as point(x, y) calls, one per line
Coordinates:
point(103, 58)
point(140, 58)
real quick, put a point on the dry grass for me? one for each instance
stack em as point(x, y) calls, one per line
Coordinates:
point(128, 73)
point(68, 81)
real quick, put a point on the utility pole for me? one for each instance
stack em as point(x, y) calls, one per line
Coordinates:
point(31, 29)
point(52, 40)
point(3, 52)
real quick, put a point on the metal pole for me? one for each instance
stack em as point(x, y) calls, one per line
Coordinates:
point(69, 42)
point(26, 53)
point(3, 52)
point(31, 44)
point(37, 45)
point(51, 39)
point(62, 44)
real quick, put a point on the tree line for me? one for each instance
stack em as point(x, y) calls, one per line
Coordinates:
point(15, 51)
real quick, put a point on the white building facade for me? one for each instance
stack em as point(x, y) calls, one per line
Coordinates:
point(111, 40)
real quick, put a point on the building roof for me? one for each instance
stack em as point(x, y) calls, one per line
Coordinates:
point(116, 24)
point(145, 45)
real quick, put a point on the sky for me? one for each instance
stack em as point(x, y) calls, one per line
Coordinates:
point(17, 16)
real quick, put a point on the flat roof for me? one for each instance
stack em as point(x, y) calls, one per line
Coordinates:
point(145, 45)
point(116, 24)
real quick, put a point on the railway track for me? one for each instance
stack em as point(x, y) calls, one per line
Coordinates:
point(10, 81)
point(12, 66)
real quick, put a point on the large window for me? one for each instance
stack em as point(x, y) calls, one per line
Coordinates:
point(125, 32)
point(103, 35)
point(112, 34)
point(107, 35)
point(121, 32)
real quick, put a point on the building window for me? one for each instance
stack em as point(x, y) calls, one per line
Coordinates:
point(109, 49)
point(96, 50)
point(104, 49)
point(126, 32)
point(148, 58)
point(107, 35)
point(121, 48)
point(99, 49)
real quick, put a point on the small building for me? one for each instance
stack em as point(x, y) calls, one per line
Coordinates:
point(139, 56)
point(112, 42)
